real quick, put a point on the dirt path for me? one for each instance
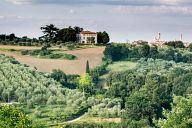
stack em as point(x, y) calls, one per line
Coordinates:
point(79, 118)
point(93, 55)
point(19, 47)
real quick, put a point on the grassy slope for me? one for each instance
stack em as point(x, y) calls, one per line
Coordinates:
point(116, 67)
point(88, 119)
point(45, 113)
point(121, 66)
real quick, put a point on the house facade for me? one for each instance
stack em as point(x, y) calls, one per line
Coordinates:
point(87, 37)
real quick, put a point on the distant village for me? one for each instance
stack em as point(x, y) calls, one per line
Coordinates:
point(159, 42)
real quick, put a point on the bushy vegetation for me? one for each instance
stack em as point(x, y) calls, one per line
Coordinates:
point(12, 117)
point(107, 108)
point(26, 85)
point(116, 52)
point(179, 116)
point(98, 71)
point(74, 104)
point(68, 81)
point(148, 88)
point(43, 98)
point(48, 54)
point(155, 91)
point(175, 44)
point(12, 39)
point(6, 59)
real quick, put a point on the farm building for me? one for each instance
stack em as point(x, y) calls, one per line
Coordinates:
point(87, 37)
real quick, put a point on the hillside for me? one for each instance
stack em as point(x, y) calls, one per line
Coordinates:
point(130, 88)
point(93, 55)
point(43, 98)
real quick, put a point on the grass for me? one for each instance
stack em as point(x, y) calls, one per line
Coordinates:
point(89, 119)
point(45, 114)
point(86, 119)
point(121, 66)
point(115, 67)
point(9, 50)
point(69, 47)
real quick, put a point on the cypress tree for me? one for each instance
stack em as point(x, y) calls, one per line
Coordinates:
point(87, 67)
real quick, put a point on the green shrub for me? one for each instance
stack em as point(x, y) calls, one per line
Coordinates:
point(71, 45)
point(48, 54)
point(69, 57)
point(98, 71)
point(55, 56)
point(44, 52)
point(24, 52)
point(12, 117)
point(34, 52)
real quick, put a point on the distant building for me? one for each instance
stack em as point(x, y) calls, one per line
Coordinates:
point(158, 42)
point(186, 44)
point(87, 37)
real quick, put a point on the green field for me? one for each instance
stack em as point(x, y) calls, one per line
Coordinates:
point(116, 67)
point(121, 66)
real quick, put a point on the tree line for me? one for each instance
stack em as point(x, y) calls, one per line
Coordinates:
point(69, 34)
point(53, 36)
point(116, 52)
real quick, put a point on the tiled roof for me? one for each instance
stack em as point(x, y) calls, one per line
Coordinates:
point(88, 32)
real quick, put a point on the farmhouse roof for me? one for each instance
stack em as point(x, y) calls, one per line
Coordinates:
point(88, 32)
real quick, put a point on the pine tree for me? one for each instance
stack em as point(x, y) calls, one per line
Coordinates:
point(87, 67)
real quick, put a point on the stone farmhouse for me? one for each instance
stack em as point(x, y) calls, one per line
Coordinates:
point(87, 37)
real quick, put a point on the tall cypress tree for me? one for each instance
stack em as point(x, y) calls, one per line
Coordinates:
point(87, 67)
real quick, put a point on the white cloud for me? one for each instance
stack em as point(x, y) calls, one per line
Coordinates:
point(154, 9)
point(175, 2)
point(171, 2)
point(13, 17)
point(71, 11)
point(106, 2)
point(19, 2)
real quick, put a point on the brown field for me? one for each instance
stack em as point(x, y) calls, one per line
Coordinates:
point(93, 55)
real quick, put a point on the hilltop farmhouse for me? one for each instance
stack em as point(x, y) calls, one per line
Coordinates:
point(87, 37)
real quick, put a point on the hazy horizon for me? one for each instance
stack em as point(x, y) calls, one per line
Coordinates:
point(122, 19)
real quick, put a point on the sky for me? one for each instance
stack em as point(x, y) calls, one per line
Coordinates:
point(124, 20)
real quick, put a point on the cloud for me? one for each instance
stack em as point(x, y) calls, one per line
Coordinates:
point(13, 17)
point(154, 9)
point(176, 2)
point(71, 11)
point(106, 2)
point(19, 2)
